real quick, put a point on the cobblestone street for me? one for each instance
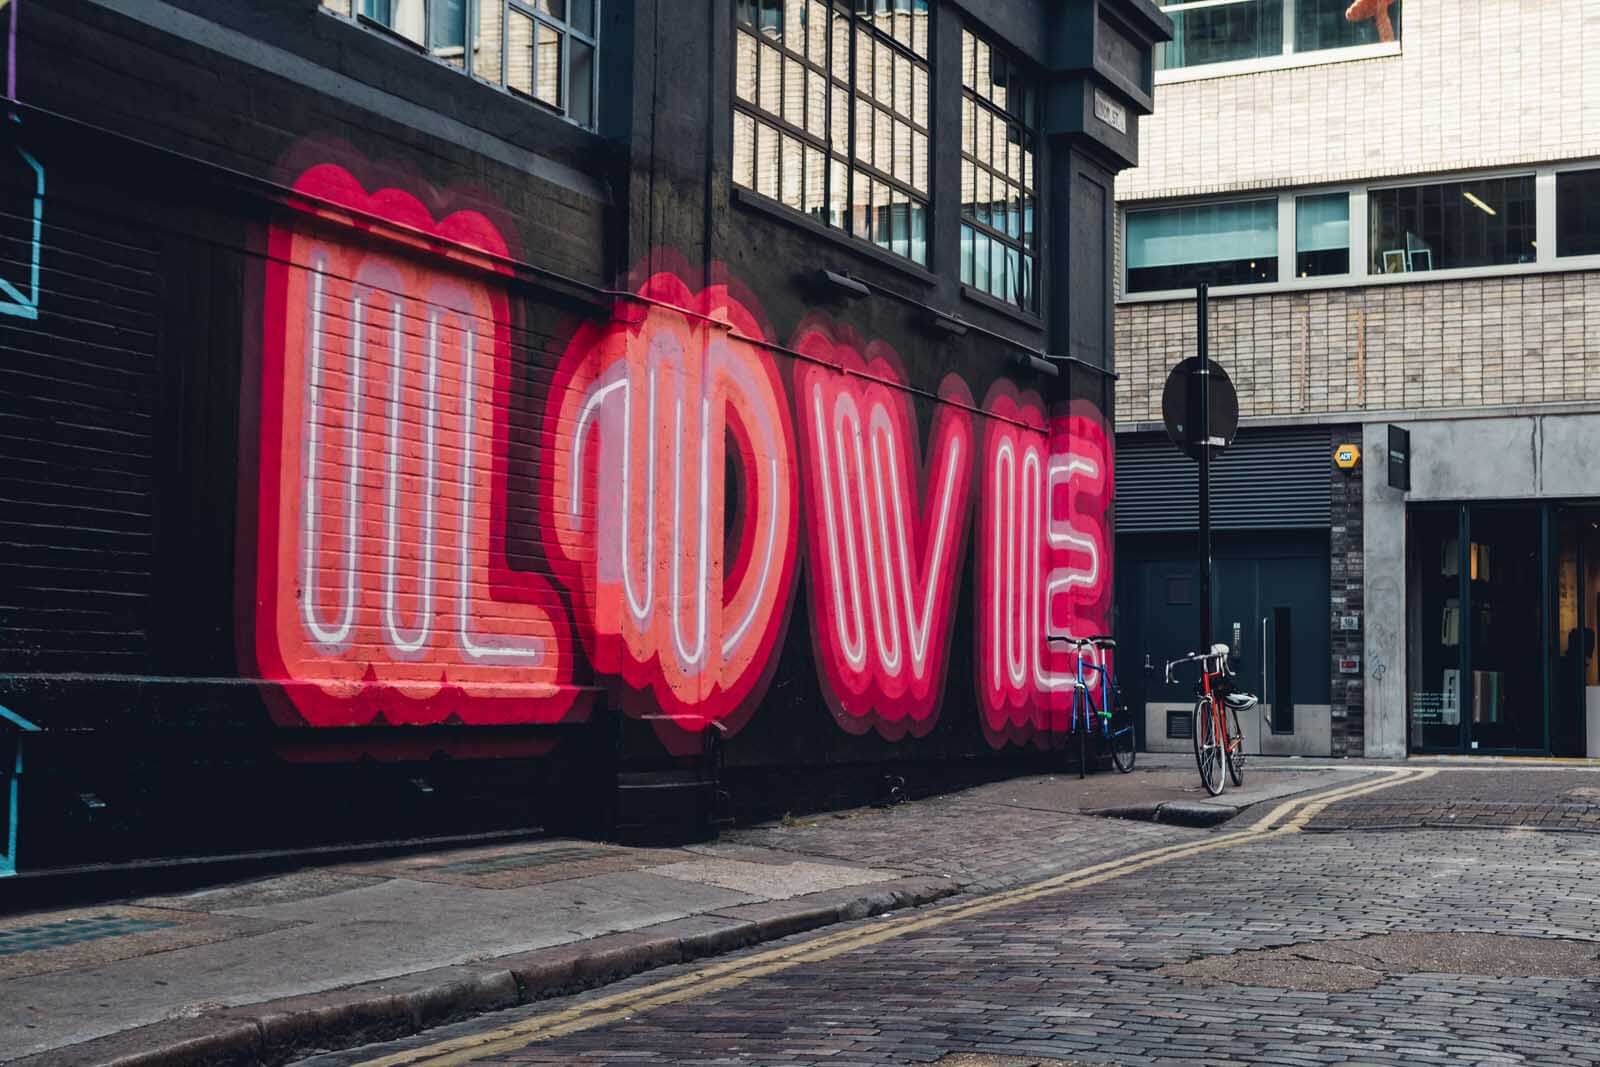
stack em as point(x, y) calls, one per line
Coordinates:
point(1241, 947)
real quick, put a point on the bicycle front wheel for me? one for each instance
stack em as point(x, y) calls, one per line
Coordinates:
point(1208, 747)
point(1235, 748)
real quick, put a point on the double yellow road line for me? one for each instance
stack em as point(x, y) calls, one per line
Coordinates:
point(1288, 817)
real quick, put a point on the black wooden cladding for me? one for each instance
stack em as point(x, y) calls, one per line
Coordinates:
point(78, 412)
point(1268, 479)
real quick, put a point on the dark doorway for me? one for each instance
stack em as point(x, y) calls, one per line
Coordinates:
point(1269, 604)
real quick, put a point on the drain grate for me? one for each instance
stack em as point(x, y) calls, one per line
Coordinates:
point(523, 860)
point(73, 932)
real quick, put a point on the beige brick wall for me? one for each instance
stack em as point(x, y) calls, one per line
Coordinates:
point(1501, 340)
point(1478, 83)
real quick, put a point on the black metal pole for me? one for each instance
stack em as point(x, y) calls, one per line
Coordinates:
point(1205, 473)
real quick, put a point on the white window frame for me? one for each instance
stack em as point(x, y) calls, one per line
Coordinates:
point(1287, 59)
point(1545, 259)
point(522, 7)
point(1547, 219)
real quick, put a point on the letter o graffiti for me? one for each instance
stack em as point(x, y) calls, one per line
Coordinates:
point(641, 417)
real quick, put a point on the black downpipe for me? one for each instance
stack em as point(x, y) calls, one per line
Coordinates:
point(1205, 471)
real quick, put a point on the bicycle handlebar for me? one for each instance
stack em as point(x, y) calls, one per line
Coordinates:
point(1096, 641)
point(1201, 658)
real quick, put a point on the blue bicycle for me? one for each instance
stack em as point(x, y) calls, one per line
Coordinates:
point(1097, 706)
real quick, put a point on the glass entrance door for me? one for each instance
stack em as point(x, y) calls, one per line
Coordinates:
point(1434, 595)
point(1478, 628)
point(1575, 669)
point(1504, 638)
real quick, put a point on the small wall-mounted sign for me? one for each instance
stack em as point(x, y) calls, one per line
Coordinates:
point(1399, 459)
point(1110, 112)
point(1347, 456)
point(1349, 622)
point(1349, 664)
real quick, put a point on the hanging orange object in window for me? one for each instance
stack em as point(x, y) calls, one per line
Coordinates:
point(1372, 9)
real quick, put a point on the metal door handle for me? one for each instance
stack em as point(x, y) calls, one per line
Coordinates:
point(1266, 690)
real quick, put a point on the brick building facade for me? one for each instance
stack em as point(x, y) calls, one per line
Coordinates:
point(425, 416)
point(1399, 228)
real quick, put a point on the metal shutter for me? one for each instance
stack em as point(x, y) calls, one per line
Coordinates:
point(1268, 479)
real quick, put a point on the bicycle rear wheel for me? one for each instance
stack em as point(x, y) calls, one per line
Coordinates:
point(1235, 748)
point(1119, 723)
point(1208, 746)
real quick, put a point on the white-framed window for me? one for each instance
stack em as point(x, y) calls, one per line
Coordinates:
point(543, 49)
point(1479, 222)
point(1212, 32)
point(999, 196)
point(1227, 242)
point(1322, 235)
point(1462, 225)
point(830, 113)
point(1578, 212)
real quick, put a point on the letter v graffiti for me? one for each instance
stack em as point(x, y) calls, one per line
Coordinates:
point(886, 534)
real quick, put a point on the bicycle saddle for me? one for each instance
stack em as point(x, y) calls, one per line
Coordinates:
point(1102, 641)
point(1240, 701)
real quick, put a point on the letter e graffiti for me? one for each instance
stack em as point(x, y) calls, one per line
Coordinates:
point(1044, 559)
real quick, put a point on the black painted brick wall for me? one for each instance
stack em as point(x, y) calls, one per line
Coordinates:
point(1344, 588)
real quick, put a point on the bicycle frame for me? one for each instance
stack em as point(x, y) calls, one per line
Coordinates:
point(1213, 689)
point(1083, 692)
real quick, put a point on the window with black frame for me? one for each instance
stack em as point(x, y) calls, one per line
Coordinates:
point(541, 49)
point(999, 245)
point(1445, 225)
point(831, 114)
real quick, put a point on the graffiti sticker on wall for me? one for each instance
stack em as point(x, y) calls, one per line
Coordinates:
point(427, 551)
point(384, 588)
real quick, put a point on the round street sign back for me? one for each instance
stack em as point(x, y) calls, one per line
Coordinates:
point(1180, 407)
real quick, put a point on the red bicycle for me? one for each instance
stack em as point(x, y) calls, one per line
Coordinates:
point(1218, 739)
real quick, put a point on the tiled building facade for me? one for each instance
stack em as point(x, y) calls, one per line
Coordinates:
point(1397, 232)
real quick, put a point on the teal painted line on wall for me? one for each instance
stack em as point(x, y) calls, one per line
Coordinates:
point(22, 304)
point(21, 723)
point(8, 862)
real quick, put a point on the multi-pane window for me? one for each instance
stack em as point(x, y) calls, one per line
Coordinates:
point(1578, 213)
point(543, 49)
point(1322, 235)
point(1223, 31)
point(998, 238)
point(1231, 243)
point(1442, 225)
point(831, 113)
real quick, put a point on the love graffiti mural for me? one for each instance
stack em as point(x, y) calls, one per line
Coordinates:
point(450, 527)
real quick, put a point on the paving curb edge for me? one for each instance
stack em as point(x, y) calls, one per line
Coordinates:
point(277, 1031)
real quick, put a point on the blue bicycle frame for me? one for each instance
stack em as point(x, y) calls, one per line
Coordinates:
point(1084, 710)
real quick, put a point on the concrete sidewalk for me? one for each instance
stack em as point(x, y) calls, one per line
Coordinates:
point(266, 970)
